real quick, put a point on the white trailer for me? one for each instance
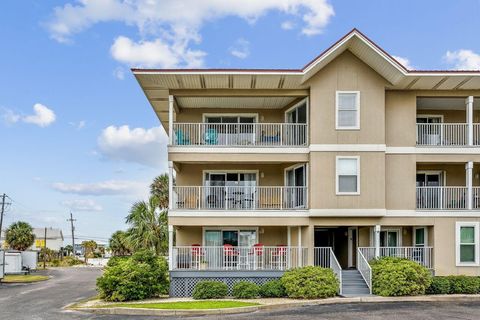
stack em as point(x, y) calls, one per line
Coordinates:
point(29, 260)
point(13, 263)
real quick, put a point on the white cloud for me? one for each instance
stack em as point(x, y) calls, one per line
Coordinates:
point(119, 73)
point(102, 188)
point(144, 146)
point(241, 49)
point(404, 61)
point(82, 205)
point(157, 53)
point(287, 25)
point(463, 59)
point(78, 125)
point(42, 116)
point(168, 28)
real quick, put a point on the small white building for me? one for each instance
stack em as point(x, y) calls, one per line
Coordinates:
point(54, 239)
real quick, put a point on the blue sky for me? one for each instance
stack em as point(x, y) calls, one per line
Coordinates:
point(77, 132)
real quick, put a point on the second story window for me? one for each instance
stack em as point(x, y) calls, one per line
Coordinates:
point(347, 110)
point(348, 175)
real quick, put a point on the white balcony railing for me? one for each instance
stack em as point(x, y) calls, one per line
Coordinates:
point(442, 198)
point(325, 257)
point(421, 255)
point(239, 258)
point(239, 198)
point(442, 134)
point(240, 134)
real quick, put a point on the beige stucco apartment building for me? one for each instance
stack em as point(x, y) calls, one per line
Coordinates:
point(349, 158)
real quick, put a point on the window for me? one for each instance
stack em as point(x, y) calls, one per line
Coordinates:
point(420, 236)
point(467, 239)
point(348, 176)
point(348, 110)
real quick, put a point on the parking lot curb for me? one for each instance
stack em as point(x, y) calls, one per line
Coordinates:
point(271, 307)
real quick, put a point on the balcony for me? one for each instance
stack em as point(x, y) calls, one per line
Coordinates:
point(446, 198)
point(258, 257)
point(239, 198)
point(447, 134)
point(240, 134)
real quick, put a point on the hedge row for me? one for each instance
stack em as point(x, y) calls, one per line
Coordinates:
point(302, 283)
point(454, 285)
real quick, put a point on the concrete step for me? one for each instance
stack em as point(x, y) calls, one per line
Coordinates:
point(353, 284)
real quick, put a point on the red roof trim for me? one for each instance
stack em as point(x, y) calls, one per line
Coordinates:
point(354, 30)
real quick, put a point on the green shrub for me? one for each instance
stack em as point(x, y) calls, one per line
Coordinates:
point(310, 283)
point(113, 261)
point(464, 285)
point(439, 285)
point(55, 263)
point(140, 276)
point(71, 261)
point(399, 277)
point(245, 290)
point(272, 289)
point(210, 290)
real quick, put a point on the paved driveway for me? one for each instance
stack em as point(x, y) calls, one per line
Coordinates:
point(45, 300)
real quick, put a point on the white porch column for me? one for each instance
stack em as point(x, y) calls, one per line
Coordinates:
point(469, 107)
point(299, 246)
point(469, 183)
point(376, 239)
point(170, 247)
point(170, 185)
point(170, 120)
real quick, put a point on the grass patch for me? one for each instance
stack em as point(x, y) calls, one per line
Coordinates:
point(185, 305)
point(23, 278)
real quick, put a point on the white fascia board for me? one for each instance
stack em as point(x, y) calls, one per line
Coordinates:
point(348, 147)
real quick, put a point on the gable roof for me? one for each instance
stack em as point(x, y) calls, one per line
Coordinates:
point(355, 41)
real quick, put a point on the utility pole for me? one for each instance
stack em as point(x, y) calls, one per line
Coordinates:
point(45, 248)
point(73, 232)
point(2, 211)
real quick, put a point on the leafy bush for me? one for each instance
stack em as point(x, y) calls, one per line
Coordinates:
point(272, 289)
point(245, 290)
point(464, 285)
point(454, 285)
point(310, 283)
point(113, 261)
point(140, 276)
point(399, 277)
point(55, 263)
point(71, 261)
point(210, 290)
point(439, 285)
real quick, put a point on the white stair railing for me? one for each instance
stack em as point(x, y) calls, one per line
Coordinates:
point(337, 269)
point(240, 134)
point(364, 268)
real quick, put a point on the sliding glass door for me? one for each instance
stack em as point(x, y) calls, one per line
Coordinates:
point(230, 129)
point(230, 190)
point(295, 178)
point(296, 134)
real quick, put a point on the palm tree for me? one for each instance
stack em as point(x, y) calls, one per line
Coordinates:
point(159, 189)
point(89, 247)
point(118, 243)
point(68, 249)
point(19, 236)
point(148, 226)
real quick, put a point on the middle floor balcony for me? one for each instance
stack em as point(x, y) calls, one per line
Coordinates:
point(240, 197)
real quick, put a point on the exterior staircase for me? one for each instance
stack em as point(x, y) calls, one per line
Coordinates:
point(353, 284)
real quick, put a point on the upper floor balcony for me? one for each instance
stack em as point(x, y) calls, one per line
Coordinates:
point(240, 134)
point(447, 122)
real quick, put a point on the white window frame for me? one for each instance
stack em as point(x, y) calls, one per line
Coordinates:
point(458, 226)
point(232, 114)
point(337, 126)
point(337, 176)
point(238, 229)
